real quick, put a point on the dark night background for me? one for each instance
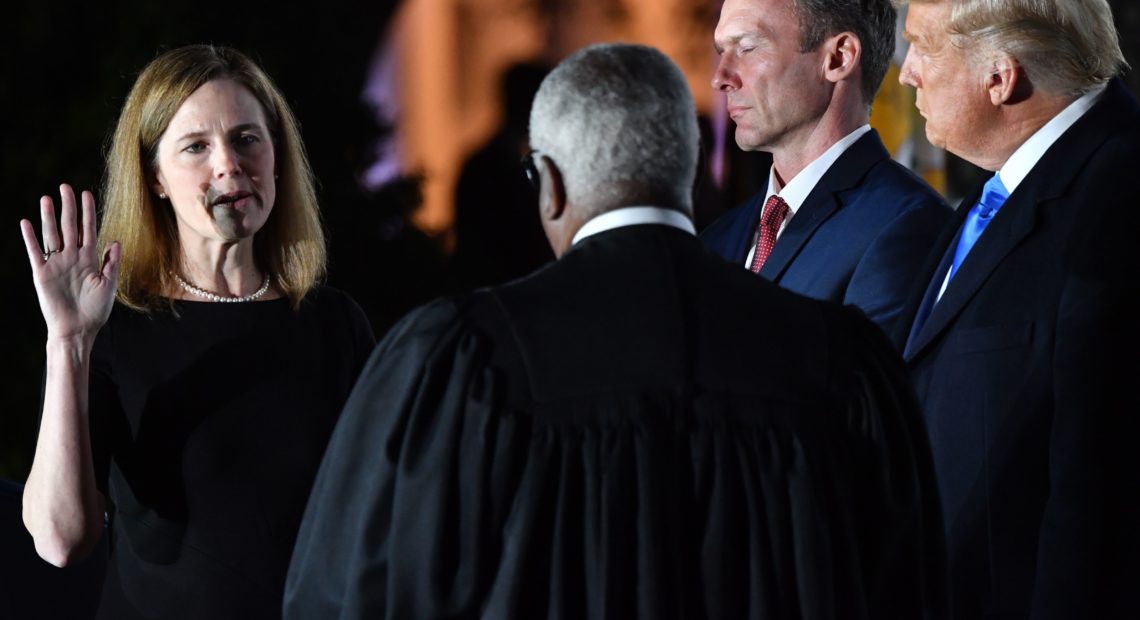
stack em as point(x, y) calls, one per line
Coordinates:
point(65, 71)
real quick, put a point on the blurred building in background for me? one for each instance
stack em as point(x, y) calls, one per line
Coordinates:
point(437, 73)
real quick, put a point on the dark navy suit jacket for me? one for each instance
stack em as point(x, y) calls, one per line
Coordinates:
point(859, 237)
point(1028, 373)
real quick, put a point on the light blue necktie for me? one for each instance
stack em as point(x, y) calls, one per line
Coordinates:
point(994, 195)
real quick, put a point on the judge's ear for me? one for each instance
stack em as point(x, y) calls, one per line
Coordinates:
point(843, 52)
point(1004, 81)
point(552, 191)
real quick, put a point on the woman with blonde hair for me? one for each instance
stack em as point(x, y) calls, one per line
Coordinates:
point(194, 412)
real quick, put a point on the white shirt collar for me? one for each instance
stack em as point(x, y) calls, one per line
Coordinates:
point(798, 188)
point(1027, 155)
point(632, 216)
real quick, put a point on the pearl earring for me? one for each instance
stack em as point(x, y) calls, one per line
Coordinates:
point(162, 195)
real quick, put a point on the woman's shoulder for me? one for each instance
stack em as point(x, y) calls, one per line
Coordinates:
point(129, 330)
point(123, 317)
point(323, 298)
point(330, 304)
point(324, 294)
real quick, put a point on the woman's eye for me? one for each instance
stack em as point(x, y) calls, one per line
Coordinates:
point(248, 139)
point(196, 147)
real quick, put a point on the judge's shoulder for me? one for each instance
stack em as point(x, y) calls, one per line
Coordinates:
point(754, 337)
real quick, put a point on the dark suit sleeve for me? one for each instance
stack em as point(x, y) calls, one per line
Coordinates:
point(725, 237)
point(900, 515)
point(1088, 554)
point(885, 275)
point(339, 567)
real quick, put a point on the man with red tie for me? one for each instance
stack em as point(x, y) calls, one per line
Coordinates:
point(839, 220)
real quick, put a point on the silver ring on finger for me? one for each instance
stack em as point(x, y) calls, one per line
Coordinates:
point(47, 254)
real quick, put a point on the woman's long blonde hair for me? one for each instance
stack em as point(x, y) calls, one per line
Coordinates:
point(291, 244)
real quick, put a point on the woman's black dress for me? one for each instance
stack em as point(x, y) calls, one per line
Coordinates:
point(208, 425)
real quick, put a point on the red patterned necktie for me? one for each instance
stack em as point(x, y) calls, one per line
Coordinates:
point(775, 210)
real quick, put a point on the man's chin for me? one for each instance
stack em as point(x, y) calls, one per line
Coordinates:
point(747, 141)
point(935, 139)
point(751, 138)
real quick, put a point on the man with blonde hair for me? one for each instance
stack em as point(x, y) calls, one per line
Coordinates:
point(1022, 338)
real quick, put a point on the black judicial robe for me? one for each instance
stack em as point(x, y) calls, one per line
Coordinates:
point(639, 430)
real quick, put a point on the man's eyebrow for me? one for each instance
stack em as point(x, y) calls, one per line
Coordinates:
point(720, 45)
point(915, 38)
point(757, 33)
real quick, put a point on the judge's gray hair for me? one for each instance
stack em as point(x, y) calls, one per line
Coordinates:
point(1064, 46)
point(619, 123)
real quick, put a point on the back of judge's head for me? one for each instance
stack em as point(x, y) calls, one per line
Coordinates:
point(1065, 47)
point(619, 123)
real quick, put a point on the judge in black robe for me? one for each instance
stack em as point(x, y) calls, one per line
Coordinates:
point(639, 430)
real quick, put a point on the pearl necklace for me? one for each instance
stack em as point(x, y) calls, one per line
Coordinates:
point(190, 288)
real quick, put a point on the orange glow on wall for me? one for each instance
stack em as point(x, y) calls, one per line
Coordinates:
point(449, 56)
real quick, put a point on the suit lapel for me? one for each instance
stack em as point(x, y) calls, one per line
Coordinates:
point(934, 280)
point(742, 241)
point(823, 201)
point(1054, 172)
point(935, 265)
point(815, 210)
point(1011, 224)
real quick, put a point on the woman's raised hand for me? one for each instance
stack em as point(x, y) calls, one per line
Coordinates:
point(75, 285)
